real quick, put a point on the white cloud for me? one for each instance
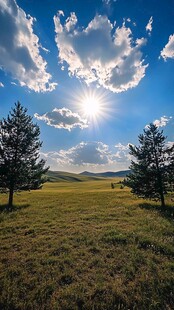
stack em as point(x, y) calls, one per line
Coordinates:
point(95, 156)
point(100, 53)
point(44, 49)
point(168, 50)
point(71, 22)
point(122, 153)
point(163, 121)
point(91, 153)
point(19, 49)
point(108, 2)
point(1, 84)
point(149, 25)
point(169, 144)
point(63, 119)
point(13, 83)
point(122, 147)
point(84, 153)
point(54, 160)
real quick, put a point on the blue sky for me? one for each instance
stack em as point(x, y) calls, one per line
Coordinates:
point(92, 74)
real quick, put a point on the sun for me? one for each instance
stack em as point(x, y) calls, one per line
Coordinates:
point(91, 106)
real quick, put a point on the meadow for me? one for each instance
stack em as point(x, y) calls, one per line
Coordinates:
point(83, 245)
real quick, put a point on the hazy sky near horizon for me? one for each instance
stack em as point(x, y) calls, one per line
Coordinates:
point(92, 74)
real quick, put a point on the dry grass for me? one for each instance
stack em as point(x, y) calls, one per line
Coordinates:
point(86, 246)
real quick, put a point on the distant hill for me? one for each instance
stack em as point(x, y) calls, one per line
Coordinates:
point(108, 174)
point(61, 176)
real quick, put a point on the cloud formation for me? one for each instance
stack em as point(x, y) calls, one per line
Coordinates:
point(89, 155)
point(1, 84)
point(169, 143)
point(84, 153)
point(149, 25)
point(63, 119)
point(100, 52)
point(122, 153)
point(168, 50)
point(108, 2)
point(19, 49)
point(163, 121)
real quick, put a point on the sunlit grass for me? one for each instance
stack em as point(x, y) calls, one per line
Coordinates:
point(86, 246)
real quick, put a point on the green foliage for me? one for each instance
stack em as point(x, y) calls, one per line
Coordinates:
point(82, 245)
point(20, 168)
point(152, 172)
point(112, 185)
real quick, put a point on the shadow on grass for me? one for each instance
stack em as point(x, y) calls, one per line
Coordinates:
point(167, 211)
point(5, 208)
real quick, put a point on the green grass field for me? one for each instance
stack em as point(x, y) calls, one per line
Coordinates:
point(83, 245)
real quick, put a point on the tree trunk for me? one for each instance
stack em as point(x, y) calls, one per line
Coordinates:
point(10, 199)
point(159, 177)
point(162, 200)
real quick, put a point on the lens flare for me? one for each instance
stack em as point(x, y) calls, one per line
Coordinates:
point(93, 104)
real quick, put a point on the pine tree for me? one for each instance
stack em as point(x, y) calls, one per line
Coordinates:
point(170, 153)
point(20, 167)
point(151, 172)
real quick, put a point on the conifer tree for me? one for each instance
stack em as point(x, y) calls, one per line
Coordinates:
point(152, 171)
point(20, 167)
point(170, 153)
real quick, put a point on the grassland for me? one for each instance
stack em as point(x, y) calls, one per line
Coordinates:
point(83, 245)
point(59, 176)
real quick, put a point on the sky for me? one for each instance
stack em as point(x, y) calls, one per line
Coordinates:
point(92, 74)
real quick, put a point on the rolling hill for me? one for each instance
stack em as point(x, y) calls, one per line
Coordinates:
point(61, 176)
